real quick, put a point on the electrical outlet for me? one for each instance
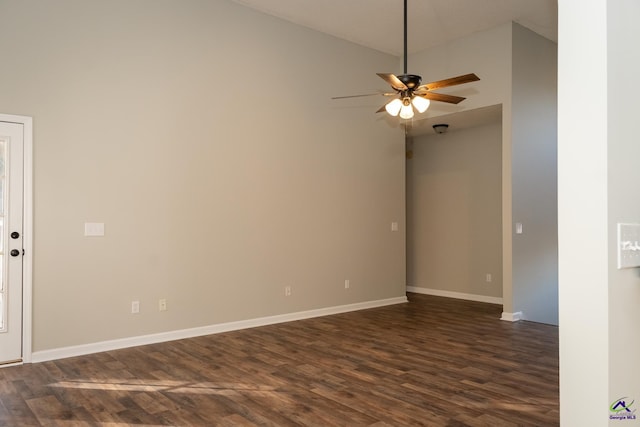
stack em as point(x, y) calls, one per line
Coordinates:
point(347, 284)
point(489, 278)
point(287, 291)
point(162, 305)
point(135, 307)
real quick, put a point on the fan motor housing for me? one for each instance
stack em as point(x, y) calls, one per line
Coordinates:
point(411, 81)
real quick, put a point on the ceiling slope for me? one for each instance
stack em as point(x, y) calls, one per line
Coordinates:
point(378, 24)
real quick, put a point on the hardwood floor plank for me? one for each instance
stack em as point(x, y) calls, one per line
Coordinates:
point(432, 362)
point(49, 408)
point(235, 420)
point(17, 408)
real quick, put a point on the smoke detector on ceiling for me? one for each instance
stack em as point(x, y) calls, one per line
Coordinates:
point(440, 128)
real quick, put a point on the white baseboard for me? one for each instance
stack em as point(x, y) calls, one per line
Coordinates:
point(511, 317)
point(80, 350)
point(457, 295)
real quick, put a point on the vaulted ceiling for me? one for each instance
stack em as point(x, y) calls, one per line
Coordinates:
point(378, 23)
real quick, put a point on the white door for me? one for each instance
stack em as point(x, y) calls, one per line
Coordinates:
point(11, 251)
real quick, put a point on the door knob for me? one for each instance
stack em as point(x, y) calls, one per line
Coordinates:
point(15, 235)
point(15, 252)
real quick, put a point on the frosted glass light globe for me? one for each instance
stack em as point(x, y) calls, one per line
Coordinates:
point(420, 103)
point(393, 107)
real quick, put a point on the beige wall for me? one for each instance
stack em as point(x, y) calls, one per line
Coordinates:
point(454, 212)
point(202, 134)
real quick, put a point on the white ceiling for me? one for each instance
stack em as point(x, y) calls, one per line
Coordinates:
point(378, 24)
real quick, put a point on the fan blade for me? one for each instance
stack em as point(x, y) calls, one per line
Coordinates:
point(467, 78)
point(451, 99)
point(393, 81)
point(381, 109)
point(366, 94)
point(354, 96)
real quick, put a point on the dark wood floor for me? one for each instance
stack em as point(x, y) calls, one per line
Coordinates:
point(433, 362)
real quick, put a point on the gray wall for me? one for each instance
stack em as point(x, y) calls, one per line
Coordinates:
point(454, 218)
point(518, 71)
point(203, 135)
point(534, 176)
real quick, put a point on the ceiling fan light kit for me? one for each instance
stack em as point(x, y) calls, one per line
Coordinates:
point(410, 93)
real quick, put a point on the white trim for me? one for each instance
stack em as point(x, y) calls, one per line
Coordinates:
point(512, 317)
point(27, 232)
point(9, 365)
point(79, 350)
point(457, 295)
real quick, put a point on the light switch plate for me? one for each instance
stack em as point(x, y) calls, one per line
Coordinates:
point(628, 245)
point(94, 228)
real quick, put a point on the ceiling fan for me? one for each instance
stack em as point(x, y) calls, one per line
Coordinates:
point(409, 93)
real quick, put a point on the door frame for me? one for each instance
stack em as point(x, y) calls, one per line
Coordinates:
point(27, 233)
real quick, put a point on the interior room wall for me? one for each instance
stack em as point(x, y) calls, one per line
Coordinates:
point(454, 221)
point(202, 135)
point(486, 53)
point(498, 56)
point(534, 176)
point(584, 230)
point(597, 181)
point(623, 152)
